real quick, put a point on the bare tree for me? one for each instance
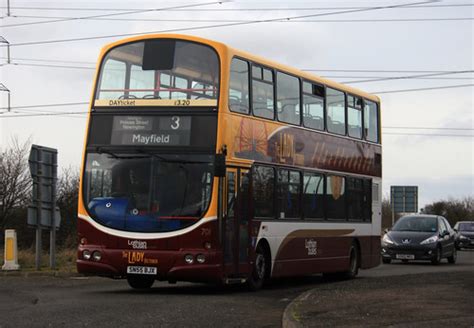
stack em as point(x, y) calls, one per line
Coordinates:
point(15, 180)
point(67, 198)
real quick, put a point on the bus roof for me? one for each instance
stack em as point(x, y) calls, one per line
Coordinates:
point(221, 47)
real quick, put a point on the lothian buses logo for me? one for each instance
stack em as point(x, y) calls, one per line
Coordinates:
point(137, 244)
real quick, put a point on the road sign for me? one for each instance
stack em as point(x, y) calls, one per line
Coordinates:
point(45, 217)
point(404, 199)
point(43, 213)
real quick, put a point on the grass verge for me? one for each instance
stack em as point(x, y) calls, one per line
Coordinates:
point(65, 260)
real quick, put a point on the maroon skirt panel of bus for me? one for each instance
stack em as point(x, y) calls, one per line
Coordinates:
point(167, 254)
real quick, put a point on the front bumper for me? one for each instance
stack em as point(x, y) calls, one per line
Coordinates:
point(418, 252)
point(465, 243)
point(170, 264)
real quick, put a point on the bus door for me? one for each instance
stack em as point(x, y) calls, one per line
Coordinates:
point(236, 240)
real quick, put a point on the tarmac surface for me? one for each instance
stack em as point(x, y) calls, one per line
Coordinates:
point(415, 294)
point(382, 296)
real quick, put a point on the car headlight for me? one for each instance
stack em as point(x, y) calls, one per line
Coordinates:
point(463, 237)
point(386, 240)
point(431, 240)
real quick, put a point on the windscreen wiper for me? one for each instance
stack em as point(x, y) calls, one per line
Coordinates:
point(143, 151)
point(101, 150)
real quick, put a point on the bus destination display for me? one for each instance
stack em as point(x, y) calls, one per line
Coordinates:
point(151, 131)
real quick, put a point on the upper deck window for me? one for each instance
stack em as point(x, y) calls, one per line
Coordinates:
point(313, 106)
point(159, 69)
point(336, 113)
point(239, 86)
point(354, 116)
point(288, 98)
point(371, 125)
point(263, 99)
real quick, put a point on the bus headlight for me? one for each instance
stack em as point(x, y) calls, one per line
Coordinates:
point(200, 258)
point(189, 259)
point(96, 256)
point(86, 254)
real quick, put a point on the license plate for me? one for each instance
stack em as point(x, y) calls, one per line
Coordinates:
point(405, 256)
point(141, 270)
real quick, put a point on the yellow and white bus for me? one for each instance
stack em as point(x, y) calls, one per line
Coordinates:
point(206, 163)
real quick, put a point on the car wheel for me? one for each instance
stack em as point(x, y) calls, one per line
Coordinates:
point(260, 269)
point(452, 259)
point(387, 261)
point(140, 282)
point(437, 256)
point(405, 261)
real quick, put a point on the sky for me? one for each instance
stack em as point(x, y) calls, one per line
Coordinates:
point(342, 40)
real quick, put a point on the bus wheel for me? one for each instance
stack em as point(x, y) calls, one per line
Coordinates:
point(354, 263)
point(260, 268)
point(140, 282)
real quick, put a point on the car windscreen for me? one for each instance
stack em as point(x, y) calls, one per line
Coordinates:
point(466, 226)
point(416, 223)
point(147, 192)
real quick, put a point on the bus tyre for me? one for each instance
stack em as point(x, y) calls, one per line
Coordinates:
point(437, 256)
point(452, 259)
point(140, 282)
point(260, 269)
point(354, 263)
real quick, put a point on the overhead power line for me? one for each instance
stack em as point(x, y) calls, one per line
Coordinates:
point(52, 66)
point(216, 25)
point(408, 77)
point(425, 89)
point(426, 128)
point(49, 105)
point(83, 113)
point(372, 78)
point(429, 134)
point(140, 11)
point(231, 9)
point(395, 20)
point(370, 71)
point(302, 69)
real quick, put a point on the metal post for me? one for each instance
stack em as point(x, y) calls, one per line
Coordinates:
point(39, 208)
point(8, 7)
point(52, 232)
point(8, 53)
point(38, 248)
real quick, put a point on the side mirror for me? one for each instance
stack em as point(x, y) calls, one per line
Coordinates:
point(219, 165)
point(444, 233)
point(455, 230)
point(386, 230)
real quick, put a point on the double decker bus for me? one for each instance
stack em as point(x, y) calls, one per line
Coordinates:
point(204, 163)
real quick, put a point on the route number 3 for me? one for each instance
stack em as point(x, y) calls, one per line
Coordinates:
point(175, 122)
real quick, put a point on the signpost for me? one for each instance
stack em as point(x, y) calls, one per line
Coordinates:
point(43, 213)
point(404, 199)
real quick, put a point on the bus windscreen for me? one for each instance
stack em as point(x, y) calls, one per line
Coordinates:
point(159, 72)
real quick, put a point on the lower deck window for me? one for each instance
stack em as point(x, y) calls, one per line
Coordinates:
point(263, 191)
point(335, 197)
point(313, 196)
point(288, 194)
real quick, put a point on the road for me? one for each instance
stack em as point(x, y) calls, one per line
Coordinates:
point(79, 301)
